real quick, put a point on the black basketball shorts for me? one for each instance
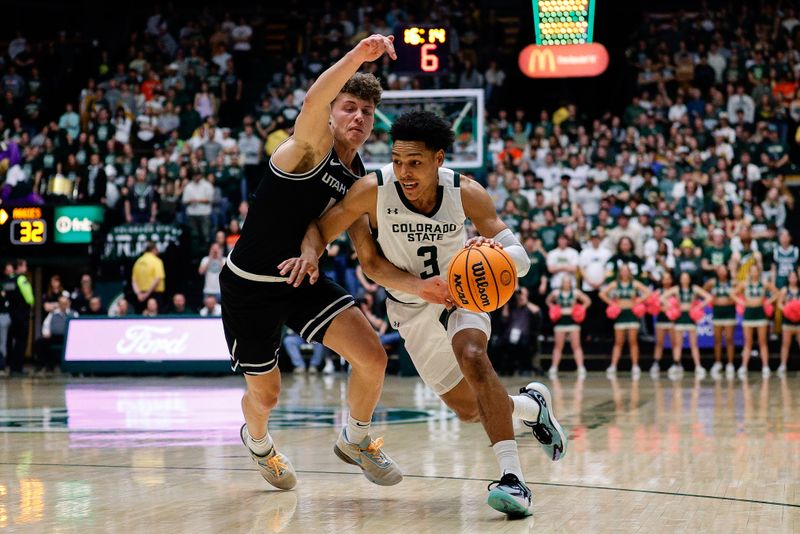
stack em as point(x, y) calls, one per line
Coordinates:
point(254, 313)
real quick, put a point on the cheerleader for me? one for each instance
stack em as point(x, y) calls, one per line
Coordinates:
point(664, 325)
point(791, 329)
point(754, 294)
point(625, 292)
point(566, 297)
point(687, 293)
point(723, 319)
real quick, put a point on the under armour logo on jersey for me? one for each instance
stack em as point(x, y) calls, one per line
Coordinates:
point(392, 211)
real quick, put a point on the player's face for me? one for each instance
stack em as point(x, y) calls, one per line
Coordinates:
point(352, 119)
point(417, 168)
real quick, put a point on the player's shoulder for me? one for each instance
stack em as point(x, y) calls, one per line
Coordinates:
point(366, 184)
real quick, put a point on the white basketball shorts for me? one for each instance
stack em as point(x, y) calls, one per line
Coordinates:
point(428, 331)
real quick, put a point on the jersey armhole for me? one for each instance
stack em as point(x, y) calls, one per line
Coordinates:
point(379, 174)
point(456, 179)
point(303, 175)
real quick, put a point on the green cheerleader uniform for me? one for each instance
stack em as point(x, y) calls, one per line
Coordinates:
point(565, 323)
point(684, 322)
point(626, 320)
point(662, 321)
point(723, 315)
point(754, 316)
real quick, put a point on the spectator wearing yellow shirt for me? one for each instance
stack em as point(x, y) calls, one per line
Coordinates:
point(148, 278)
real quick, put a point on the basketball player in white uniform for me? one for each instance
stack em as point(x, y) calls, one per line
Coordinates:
point(418, 209)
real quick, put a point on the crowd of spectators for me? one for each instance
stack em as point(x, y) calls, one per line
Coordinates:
point(176, 128)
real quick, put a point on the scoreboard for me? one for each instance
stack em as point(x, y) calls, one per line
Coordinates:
point(43, 230)
point(420, 50)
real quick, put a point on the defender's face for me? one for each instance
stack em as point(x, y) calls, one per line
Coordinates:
point(352, 119)
point(417, 168)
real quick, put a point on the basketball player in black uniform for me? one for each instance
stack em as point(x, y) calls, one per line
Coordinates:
point(307, 174)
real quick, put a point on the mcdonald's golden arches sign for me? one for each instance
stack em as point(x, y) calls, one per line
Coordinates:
point(563, 61)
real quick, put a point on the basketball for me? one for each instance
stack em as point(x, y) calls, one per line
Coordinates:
point(482, 278)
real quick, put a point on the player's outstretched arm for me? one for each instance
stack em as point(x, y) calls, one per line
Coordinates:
point(357, 202)
point(312, 137)
point(479, 207)
point(385, 273)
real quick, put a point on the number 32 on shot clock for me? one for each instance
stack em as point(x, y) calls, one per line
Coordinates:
point(421, 50)
point(27, 226)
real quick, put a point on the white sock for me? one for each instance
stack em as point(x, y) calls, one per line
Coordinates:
point(525, 408)
point(259, 446)
point(356, 430)
point(508, 458)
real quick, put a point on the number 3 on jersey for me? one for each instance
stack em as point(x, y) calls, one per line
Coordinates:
point(431, 261)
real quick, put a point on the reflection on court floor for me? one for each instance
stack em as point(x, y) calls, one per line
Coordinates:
point(114, 455)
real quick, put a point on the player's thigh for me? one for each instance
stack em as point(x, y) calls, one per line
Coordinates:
point(253, 315)
point(315, 307)
point(424, 334)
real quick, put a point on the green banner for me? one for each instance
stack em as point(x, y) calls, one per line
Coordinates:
point(74, 224)
point(127, 241)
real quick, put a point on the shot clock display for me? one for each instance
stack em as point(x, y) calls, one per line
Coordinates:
point(420, 50)
point(27, 226)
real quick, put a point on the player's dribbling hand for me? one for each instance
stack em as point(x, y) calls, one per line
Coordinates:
point(435, 291)
point(298, 268)
point(375, 45)
point(480, 240)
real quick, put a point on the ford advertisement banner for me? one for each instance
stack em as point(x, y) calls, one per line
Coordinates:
point(145, 344)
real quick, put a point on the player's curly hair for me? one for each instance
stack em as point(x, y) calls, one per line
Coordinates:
point(424, 126)
point(364, 86)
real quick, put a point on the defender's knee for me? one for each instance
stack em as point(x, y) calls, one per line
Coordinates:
point(262, 399)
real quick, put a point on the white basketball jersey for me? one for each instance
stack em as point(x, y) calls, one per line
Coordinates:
point(422, 244)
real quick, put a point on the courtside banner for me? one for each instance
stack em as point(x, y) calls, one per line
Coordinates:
point(563, 61)
point(99, 344)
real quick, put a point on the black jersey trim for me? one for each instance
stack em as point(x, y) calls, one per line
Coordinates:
point(302, 175)
point(379, 174)
point(410, 206)
point(456, 179)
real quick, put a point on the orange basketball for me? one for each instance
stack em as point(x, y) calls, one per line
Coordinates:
point(482, 278)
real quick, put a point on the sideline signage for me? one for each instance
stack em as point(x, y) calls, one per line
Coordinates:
point(143, 343)
point(563, 61)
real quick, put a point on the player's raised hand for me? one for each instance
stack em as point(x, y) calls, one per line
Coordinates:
point(480, 240)
point(435, 291)
point(298, 268)
point(374, 46)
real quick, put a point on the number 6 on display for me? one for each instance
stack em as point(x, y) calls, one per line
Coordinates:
point(429, 62)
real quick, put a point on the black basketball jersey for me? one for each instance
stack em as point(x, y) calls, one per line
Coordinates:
point(281, 209)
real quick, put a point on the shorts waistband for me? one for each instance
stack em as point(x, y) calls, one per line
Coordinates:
point(250, 276)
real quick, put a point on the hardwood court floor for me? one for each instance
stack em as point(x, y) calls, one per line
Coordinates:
point(163, 455)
